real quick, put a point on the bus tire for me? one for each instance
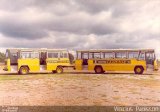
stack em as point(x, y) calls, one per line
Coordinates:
point(138, 70)
point(98, 70)
point(24, 70)
point(59, 70)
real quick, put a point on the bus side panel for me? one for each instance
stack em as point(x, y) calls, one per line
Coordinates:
point(129, 66)
point(52, 63)
point(126, 66)
point(91, 64)
point(139, 63)
point(115, 64)
point(117, 67)
point(33, 64)
point(78, 64)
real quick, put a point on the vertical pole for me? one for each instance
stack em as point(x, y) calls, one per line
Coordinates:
point(88, 54)
point(77, 54)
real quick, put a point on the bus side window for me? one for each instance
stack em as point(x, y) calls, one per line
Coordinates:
point(97, 55)
point(65, 55)
point(49, 55)
point(24, 55)
point(121, 55)
point(132, 55)
point(91, 55)
point(53, 55)
point(36, 55)
point(109, 55)
point(61, 55)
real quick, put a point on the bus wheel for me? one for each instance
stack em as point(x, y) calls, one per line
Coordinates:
point(138, 70)
point(59, 70)
point(98, 69)
point(24, 70)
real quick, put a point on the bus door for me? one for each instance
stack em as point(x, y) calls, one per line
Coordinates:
point(81, 62)
point(43, 57)
point(13, 56)
point(85, 57)
point(150, 57)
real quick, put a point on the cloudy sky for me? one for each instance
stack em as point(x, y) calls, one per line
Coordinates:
point(80, 24)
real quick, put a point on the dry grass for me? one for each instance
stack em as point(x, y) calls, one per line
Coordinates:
point(79, 89)
point(116, 97)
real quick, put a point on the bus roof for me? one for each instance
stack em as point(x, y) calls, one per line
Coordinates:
point(115, 50)
point(43, 50)
point(34, 49)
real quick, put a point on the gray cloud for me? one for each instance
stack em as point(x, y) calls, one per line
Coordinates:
point(96, 6)
point(80, 24)
point(21, 30)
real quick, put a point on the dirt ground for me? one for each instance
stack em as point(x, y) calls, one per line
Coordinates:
point(80, 89)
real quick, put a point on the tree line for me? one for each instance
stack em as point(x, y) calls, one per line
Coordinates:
point(2, 57)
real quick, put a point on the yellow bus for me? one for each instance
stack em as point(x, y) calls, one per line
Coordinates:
point(36, 60)
point(116, 60)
